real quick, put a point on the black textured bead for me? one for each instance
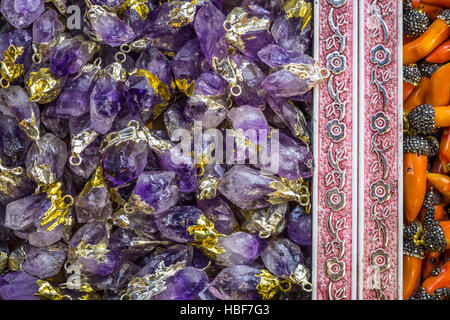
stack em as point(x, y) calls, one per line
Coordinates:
point(423, 295)
point(434, 145)
point(445, 15)
point(411, 229)
point(433, 237)
point(435, 272)
point(432, 199)
point(421, 119)
point(427, 69)
point(412, 74)
point(416, 144)
point(415, 22)
point(411, 249)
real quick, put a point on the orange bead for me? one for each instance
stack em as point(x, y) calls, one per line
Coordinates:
point(407, 89)
point(411, 275)
point(440, 281)
point(437, 33)
point(439, 3)
point(430, 262)
point(439, 87)
point(441, 182)
point(418, 95)
point(430, 10)
point(415, 183)
point(441, 54)
point(444, 149)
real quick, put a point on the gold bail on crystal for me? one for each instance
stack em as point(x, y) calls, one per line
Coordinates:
point(59, 206)
point(270, 285)
point(9, 71)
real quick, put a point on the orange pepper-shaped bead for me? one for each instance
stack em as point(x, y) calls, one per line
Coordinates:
point(418, 95)
point(411, 275)
point(442, 280)
point(441, 54)
point(439, 87)
point(444, 150)
point(437, 33)
point(407, 89)
point(441, 182)
point(439, 3)
point(414, 182)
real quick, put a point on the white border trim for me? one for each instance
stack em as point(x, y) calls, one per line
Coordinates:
point(361, 131)
point(355, 149)
point(315, 202)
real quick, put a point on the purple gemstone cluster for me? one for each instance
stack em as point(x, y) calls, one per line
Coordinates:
point(97, 199)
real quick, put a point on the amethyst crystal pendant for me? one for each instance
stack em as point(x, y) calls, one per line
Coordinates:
point(113, 129)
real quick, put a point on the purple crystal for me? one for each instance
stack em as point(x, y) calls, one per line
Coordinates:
point(124, 162)
point(90, 159)
point(281, 257)
point(299, 226)
point(45, 163)
point(236, 283)
point(174, 118)
point(208, 102)
point(154, 86)
point(105, 261)
point(116, 281)
point(45, 262)
point(208, 26)
point(14, 143)
point(176, 160)
point(156, 191)
point(241, 248)
point(55, 122)
point(253, 36)
point(133, 245)
point(20, 214)
point(174, 223)
point(18, 286)
point(173, 254)
point(74, 98)
point(186, 284)
point(284, 83)
point(291, 116)
point(288, 34)
point(71, 55)
point(188, 64)
point(106, 100)
point(219, 212)
point(245, 187)
point(109, 27)
point(18, 38)
point(249, 118)
point(294, 160)
point(93, 205)
point(21, 13)
point(252, 77)
point(46, 27)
